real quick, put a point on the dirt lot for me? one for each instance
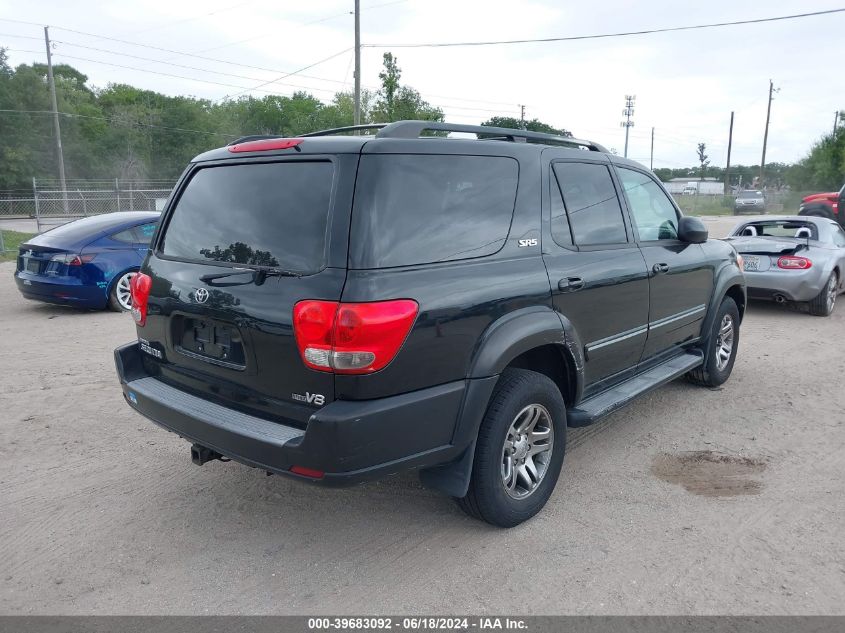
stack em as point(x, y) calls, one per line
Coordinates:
point(689, 501)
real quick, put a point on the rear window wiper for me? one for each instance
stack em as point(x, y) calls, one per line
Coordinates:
point(259, 275)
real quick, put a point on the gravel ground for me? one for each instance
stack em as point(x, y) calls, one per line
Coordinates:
point(689, 501)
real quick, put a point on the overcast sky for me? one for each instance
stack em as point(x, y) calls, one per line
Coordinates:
point(686, 83)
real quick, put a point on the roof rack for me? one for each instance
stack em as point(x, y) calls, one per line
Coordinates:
point(348, 128)
point(413, 129)
point(253, 137)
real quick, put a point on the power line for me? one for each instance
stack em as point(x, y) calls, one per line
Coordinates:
point(192, 18)
point(309, 23)
point(608, 35)
point(212, 59)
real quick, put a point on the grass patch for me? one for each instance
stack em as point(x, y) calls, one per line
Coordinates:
point(705, 205)
point(11, 242)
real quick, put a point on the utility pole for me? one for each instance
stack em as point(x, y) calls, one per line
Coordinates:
point(835, 122)
point(522, 117)
point(651, 160)
point(56, 127)
point(728, 166)
point(766, 133)
point(357, 114)
point(628, 112)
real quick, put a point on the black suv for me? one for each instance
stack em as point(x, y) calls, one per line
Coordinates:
point(339, 308)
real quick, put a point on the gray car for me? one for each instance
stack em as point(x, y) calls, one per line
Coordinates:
point(750, 201)
point(792, 258)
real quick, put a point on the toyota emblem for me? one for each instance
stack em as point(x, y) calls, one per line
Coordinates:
point(201, 295)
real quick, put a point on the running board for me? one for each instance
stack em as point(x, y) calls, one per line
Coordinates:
point(606, 402)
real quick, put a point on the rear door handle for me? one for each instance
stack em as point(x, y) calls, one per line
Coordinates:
point(570, 284)
point(660, 268)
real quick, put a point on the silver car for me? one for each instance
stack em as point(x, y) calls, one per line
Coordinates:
point(792, 258)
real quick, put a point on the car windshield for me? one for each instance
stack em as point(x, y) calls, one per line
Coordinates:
point(780, 229)
point(750, 194)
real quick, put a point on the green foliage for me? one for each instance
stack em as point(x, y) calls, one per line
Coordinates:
point(125, 132)
point(824, 168)
point(533, 125)
point(703, 160)
point(11, 243)
point(396, 102)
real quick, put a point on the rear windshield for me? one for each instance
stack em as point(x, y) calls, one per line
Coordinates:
point(260, 214)
point(418, 209)
point(800, 230)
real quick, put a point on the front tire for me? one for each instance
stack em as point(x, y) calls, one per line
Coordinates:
point(724, 343)
point(119, 298)
point(824, 303)
point(519, 452)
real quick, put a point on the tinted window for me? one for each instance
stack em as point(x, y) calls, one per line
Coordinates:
point(144, 233)
point(126, 236)
point(561, 232)
point(428, 208)
point(271, 214)
point(591, 203)
point(651, 210)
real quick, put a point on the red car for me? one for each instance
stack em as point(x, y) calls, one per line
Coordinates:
point(826, 205)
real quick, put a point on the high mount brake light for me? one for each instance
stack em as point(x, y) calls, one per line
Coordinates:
point(265, 144)
point(352, 338)
point(790, 262)
point(139, 291)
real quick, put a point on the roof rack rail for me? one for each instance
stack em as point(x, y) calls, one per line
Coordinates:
point(348, 128)
point(413, 129)
point(253, 137)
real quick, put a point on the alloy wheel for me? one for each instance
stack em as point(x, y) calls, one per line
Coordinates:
point(724, 342)
point(122, 291)
point(527, 451)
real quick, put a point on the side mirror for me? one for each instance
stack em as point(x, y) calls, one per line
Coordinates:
point(692, 230)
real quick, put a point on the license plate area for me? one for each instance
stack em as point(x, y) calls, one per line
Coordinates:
point(32, 265)
point(751, 263)
point(211, 341)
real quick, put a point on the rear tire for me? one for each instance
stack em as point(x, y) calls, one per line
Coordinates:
point(119, 299)
point(723, 343)
point(519, 452)
point(824, 302)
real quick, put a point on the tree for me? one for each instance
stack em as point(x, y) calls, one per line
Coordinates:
point(533, 125)
point(824, 166)
point(703, 159)
point(395, 102)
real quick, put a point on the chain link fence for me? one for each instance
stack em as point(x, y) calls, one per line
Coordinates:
point(50, 205)
point(783, 201)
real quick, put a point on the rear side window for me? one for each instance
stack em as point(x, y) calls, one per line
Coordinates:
point(591, 204)
point(145, 232)
point(127, 236)
point(260, 214)
point(418, 209)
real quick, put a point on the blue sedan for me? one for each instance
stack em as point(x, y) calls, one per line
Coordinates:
point(87, 263)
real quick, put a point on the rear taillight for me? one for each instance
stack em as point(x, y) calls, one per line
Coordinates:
point(70, 259)
point(789, 262)
point(352, 338)
point(139, 291)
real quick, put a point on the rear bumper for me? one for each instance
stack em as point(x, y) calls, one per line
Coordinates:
point(349, 441)
point(793, 285)
point(57, 291)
